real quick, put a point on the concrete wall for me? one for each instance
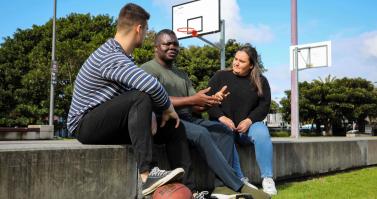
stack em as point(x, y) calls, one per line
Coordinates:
point(310, 156)
point(67, 169)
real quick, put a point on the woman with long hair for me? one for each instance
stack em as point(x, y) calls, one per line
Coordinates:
point(245, 108)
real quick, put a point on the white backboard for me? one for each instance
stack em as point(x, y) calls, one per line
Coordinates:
point(201, 15)
point(311, 55)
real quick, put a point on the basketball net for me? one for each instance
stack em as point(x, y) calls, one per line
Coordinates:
point(188, 31)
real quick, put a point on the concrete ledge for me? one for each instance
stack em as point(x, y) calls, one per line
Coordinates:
point(68, 169)
point(310, 156)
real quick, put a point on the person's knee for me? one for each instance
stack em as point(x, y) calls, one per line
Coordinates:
point(178, 132)
point(227, 131)
point(259, 131)
point(200, 136)
point(142, 97)
point(142, 100)
point(217, 127)
point(135, 95)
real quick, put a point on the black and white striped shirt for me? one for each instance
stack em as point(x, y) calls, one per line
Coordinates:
point(108, 72)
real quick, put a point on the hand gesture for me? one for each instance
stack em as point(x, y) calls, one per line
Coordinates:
point(169, 114)
point(244, 125)
point(227, 122)
point(203, 100)
point(222, 93)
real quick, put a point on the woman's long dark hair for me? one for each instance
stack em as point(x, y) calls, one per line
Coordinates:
point(255, 74)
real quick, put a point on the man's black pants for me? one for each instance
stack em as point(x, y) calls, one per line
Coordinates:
point(126, 119)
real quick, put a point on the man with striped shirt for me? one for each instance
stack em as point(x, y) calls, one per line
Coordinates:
point(113, 100)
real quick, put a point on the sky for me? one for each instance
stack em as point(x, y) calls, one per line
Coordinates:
point(350, 25)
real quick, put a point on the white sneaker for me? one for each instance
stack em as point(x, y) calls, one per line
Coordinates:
point(245, 180)
point(268, 185)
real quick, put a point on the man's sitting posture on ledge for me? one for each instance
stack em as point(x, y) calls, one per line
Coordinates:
point(113, 99)
point(212, 139)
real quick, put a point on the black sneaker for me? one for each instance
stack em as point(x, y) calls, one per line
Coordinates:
point(157, 178)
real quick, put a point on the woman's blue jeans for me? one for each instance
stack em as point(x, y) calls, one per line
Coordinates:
point(259, 135)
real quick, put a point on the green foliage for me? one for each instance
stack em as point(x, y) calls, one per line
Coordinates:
point(200, 63)
point(334, 103)
point(25, 62)
point(274, 108)
point(146, 52)
point(280, 133)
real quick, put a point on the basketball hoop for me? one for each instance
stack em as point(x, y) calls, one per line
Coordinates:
point(188, 31)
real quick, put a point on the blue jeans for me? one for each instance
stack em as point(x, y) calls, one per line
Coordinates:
point(259, 135)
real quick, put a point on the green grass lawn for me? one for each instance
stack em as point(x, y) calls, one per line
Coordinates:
point(355, 184)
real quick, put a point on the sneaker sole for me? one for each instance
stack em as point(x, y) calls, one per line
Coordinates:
point(173, 175)
point(234, 196)
point(251, 186)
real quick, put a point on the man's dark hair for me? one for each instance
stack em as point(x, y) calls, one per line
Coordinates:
point(163, 32)
point(130, 15)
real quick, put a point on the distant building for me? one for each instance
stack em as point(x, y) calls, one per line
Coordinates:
point(275, 120)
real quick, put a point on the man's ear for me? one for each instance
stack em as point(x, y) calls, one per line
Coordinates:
point(138, 28)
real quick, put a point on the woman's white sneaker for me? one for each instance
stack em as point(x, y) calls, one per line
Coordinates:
point(268, 185)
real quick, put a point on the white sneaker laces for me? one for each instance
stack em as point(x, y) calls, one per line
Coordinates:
point(157, 172)
point(201, 195)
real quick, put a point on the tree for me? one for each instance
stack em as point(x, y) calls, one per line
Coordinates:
point(26, 60)
point(146, 52)
point(201, 63)
point(357, 99)
point(274, 107)
point(334, 102)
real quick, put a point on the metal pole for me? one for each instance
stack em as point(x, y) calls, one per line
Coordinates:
point(208, 42)
point(222, 44)
point(295, 132)
point(53, 70)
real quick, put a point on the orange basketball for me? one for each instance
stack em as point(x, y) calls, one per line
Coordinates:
point(172, 191)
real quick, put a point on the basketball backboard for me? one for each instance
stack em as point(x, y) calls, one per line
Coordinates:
point(203, 16)
point(311, 55)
